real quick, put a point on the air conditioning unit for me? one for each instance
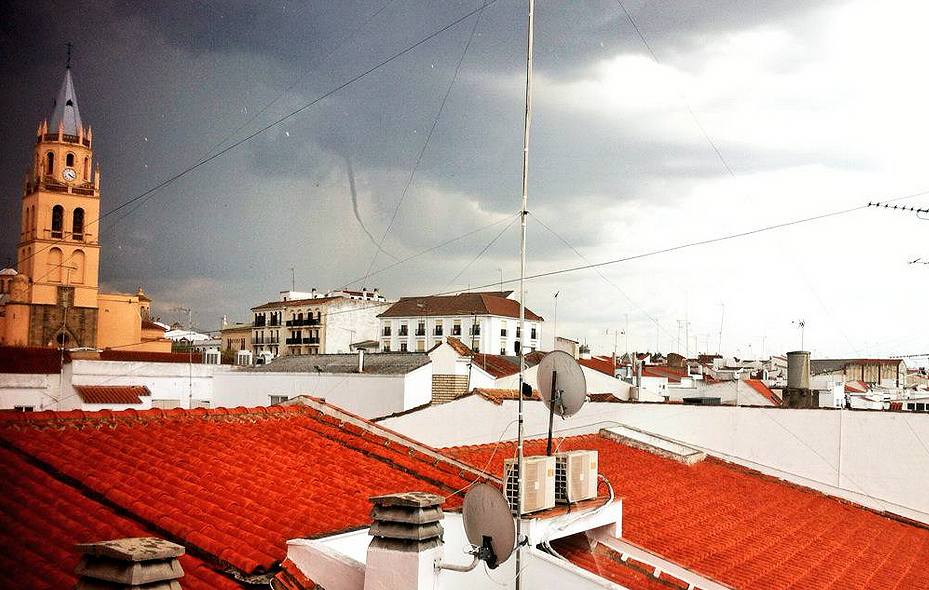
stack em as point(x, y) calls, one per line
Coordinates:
point(575, 476)
point(538, 490)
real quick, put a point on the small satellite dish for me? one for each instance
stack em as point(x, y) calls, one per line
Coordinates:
point(562, 383)
point(489, 524)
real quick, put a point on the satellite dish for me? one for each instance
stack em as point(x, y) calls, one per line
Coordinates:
point(489, 524)
point(561, 383)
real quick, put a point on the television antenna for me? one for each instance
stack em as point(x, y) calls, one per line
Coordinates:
point(563, 388)
point(489, 526)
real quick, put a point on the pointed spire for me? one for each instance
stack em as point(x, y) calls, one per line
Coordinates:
point(65, 112)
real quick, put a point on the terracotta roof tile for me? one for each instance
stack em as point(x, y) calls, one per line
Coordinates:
point(674, 374)
point(231, 484)
point(495, 365)
point(498, 396)
point(606, 563)
point(31, 360)
point(291, 578)
point(462, 304)
point(42, 518)
point(601, 364)
point(759, 386)
point(111, 394)
point(742, 528)
point(298, 302)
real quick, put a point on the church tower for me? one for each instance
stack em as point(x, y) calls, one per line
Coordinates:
point(58, 249)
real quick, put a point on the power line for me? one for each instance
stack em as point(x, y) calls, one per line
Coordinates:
point(268, 105)
point(657, 252)
point(277, 122)
point(435, 123)
point(483, 250)
point(426, 251)
point(602, 276)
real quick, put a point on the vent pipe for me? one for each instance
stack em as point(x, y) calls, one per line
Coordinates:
point(143, 562)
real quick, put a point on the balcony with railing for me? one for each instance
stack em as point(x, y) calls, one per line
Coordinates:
point(385, 331)
point(311, 340)
point(437, 331)
point(404, 331)
point(293, 341)
point(421, 331)
point(303, 322)
point(456, 330)
point(475, 330)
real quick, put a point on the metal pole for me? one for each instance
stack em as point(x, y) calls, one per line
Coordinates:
point(522, 290)
point(556, 397)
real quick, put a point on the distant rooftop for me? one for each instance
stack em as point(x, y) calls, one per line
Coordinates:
point(381, 363)
point(464, 304)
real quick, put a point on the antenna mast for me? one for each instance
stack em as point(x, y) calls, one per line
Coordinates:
point(522, 292)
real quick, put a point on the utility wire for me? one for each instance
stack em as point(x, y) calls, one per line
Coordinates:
point(278, 121)
point(603, 276)
point(483, 251)
point(268, 105)
point(435, 123)
point(655, 252)
point(426, 251)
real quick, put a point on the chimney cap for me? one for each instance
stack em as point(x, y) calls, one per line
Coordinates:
point(133, 549)
point(411, 499)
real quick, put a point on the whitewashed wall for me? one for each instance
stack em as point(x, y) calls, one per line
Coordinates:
point(366, 394)
point(166, 381)
point(877, 459)
point(37, 391)
point(597, 382)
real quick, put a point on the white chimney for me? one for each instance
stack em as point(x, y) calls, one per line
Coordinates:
point(407, 542)
point(361, 360)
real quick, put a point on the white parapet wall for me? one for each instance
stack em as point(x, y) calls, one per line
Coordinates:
point(876, 459)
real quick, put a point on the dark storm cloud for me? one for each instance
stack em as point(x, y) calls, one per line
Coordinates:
point(163, 82)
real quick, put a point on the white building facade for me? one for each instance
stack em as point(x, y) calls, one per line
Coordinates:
point(314, 323)
point(486, 322)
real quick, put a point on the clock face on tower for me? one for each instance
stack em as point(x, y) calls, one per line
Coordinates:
point(68, 174)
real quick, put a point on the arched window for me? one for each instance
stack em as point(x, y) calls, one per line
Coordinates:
point(50, 164)
point(69, 160)
point(54, 265)
point(77, 227)
point(86, 169)
point(58, 218)
point(77, 261)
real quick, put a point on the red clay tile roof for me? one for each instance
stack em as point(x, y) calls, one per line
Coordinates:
point(232, 485)
point(460, 347)
point(856, 387)
point(495, 365)
point(462, 304)
point(291, 578)
point(150, 325)
point(674, 374)
point(743, 528)
point(498, 396)
point(759, 386)
point(111, 394)
point(31, 360)
point(43, 517)
point(607, 563)
point(598, 363)
point(296, 302)
point(149, 357)
point(603, 397)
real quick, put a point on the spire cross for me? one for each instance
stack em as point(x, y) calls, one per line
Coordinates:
point(69, 45)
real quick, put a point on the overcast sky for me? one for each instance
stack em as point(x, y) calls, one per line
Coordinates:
point(813, 106)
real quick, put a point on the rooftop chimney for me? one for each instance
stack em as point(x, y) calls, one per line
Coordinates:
point(407, 541)
point(143, 562)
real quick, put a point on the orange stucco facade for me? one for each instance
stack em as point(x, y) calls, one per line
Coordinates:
point(53, 298)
